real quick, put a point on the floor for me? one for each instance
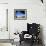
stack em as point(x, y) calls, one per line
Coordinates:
point(5, 44)
point(22, 44)
point(27, 44)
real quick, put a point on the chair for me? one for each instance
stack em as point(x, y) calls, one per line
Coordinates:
point(33, 30)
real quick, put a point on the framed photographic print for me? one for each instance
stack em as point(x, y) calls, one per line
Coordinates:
point(20, 14)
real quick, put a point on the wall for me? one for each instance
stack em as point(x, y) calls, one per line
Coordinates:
point(35, 14)
point(3, 1)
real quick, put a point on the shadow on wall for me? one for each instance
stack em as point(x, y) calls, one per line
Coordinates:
point(41, 34)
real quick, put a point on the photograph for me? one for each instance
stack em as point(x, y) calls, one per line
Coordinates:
point(20, 14)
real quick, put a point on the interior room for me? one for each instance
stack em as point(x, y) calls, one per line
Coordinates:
point(22, 22)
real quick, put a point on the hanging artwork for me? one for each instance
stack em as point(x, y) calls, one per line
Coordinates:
point(20, 14)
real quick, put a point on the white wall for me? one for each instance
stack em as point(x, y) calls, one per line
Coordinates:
point(3, 1)
point(35, 14)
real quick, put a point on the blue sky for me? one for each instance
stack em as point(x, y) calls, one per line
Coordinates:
point(20, 14)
